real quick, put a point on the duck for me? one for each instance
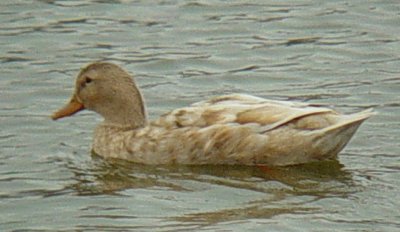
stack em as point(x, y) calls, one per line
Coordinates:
point(234, 129)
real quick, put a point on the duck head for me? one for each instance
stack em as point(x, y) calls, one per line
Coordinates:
point(108, 90)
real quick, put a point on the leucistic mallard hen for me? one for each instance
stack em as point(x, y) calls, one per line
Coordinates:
point(230, 129)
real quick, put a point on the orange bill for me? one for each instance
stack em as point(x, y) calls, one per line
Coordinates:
point(71, 108)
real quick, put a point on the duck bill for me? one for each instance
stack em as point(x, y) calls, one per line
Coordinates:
point(73, 107)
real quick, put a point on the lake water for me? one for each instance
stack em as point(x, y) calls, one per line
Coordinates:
point(342, 53)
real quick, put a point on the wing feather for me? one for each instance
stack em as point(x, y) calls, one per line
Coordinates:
point(240, 109)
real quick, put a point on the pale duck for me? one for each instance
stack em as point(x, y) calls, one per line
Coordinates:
point(228, 129)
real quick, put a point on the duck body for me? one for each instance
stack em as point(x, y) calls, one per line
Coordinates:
point(229, 129)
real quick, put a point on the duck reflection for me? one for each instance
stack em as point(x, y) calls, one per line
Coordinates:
point(114, 176)
point(284, 190)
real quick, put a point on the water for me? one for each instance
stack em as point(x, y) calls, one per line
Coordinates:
point(344, 54)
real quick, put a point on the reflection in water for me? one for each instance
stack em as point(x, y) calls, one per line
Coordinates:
point(112, 176)
point(253, 211)
point(300, 185)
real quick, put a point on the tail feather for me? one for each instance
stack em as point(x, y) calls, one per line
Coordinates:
point(350, 119)
point(331, 140)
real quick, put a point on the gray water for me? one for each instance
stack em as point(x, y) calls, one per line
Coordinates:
point(345, 54)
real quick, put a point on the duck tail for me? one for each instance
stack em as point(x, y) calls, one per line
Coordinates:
point(331, 140)
point(351, 120)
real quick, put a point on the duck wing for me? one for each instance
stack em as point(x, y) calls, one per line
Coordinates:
point(260, 113)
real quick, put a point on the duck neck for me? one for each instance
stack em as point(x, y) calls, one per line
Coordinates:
point(127, 117)
point(127, 111)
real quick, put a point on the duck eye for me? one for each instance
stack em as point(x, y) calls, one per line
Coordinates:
point(88, 80)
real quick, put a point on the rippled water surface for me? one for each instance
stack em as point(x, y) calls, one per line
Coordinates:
point(341, 53)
